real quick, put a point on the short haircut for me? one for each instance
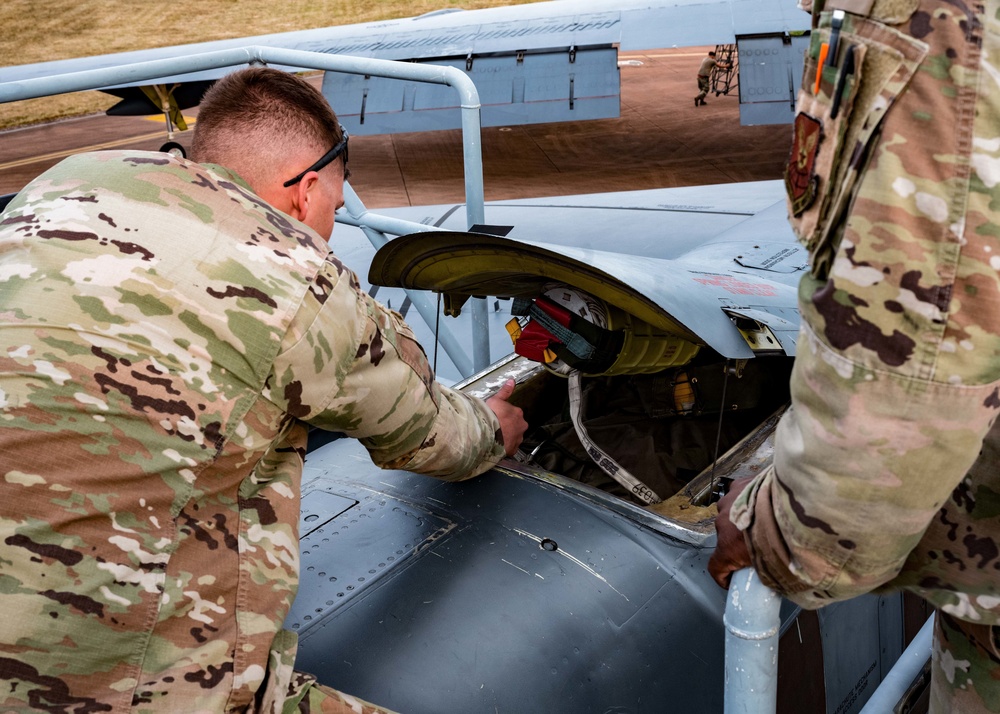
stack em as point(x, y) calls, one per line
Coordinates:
point(711, 54)
point(252, 119)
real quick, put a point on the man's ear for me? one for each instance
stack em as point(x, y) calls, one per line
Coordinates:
point(301, 196)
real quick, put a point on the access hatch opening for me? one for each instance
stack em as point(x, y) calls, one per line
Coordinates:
point(665, 428)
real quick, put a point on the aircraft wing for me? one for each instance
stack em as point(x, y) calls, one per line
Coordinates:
point(697, 261)
point(532, 63)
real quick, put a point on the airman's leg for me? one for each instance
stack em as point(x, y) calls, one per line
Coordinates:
point(965, 670)
point(703, 86)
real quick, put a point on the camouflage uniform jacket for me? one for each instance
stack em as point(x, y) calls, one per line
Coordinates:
point(893, 186)
point(165, 336)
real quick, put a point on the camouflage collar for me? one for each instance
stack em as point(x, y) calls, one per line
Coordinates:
point(230, 175)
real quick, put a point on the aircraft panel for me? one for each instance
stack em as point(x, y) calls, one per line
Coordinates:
point(682, 24)
point(659, 223)
point(358, 97)
point(770, 76)
point(848, 688)
point(751, 17)
point(527, 88)
point(686, 297)
point(421, 44)
point(424, 37)
point(557, 76)
point(582, 108)
point(434, 96)
point(499, 79)
point(596, 595)
point(563, 30)
point(332, 573)
point(525, 591)
point(716, 227)
point(671, 233)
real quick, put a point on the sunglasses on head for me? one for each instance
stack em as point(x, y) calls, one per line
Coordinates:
point(337, 150)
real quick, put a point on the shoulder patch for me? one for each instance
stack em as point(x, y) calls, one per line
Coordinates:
point(801, 181)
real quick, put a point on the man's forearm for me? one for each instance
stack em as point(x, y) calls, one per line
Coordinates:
point(862, 463)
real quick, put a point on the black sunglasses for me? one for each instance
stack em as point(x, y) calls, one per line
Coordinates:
point(340, 148)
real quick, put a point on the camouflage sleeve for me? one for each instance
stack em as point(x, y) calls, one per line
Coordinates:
point(289, 691)
point(351, 365)
point(320, 699)
point(896, 374)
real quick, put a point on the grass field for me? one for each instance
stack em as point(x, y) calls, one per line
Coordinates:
point(61, 29)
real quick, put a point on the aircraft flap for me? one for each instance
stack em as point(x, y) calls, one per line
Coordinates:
point(527, 87)
point(770, 75)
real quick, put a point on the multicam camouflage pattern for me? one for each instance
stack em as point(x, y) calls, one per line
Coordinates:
point(895, 383)
point(166, 335)
point(965, 661)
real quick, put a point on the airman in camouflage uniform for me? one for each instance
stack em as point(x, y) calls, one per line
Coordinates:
point(893, 187)
point(166, 335)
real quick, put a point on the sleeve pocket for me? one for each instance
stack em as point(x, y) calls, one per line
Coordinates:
point(837, 123)
point(412, 353)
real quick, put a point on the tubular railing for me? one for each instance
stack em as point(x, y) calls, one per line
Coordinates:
point(435, 74)
point(752, 622)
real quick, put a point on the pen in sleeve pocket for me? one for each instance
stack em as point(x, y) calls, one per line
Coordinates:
point(846, 69)
point(836, 22)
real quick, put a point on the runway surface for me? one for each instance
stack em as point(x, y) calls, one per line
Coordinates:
point(660, 140)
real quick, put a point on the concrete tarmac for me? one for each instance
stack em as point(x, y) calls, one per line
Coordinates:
point(660, 140)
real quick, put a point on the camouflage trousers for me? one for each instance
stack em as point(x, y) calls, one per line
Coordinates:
point(704, 86)
point(965, 670)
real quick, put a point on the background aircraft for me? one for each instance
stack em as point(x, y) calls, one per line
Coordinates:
point(539, 62)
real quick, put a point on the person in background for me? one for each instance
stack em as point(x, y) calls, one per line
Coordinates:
point(886, 470)
point(705, 70)
point(169, 330)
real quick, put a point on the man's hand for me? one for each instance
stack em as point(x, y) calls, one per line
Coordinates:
point(731, 552)
point(511, 418)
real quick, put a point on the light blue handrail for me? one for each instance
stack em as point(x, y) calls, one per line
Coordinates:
point(903, 673)
point(752, 621)
point(147, 71)
point(471, 127)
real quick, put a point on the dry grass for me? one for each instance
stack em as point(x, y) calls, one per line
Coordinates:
point(62, 29)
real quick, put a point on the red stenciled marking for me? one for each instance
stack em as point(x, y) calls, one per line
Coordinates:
point(738, 287)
